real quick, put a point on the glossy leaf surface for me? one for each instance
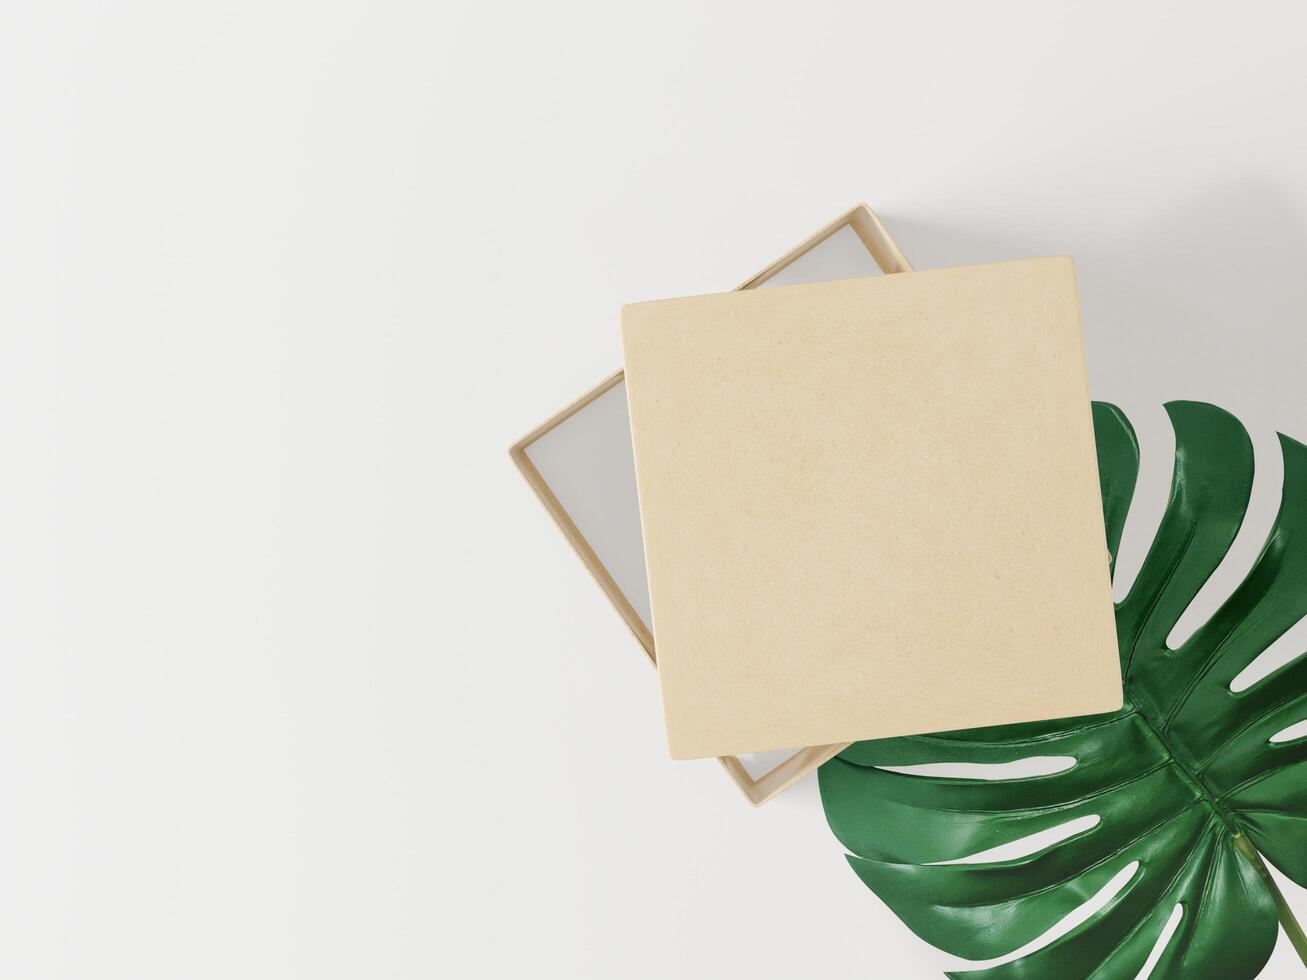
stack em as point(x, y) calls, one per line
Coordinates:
point(1180, 780)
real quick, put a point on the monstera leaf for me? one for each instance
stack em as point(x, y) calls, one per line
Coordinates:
point(1185, 782)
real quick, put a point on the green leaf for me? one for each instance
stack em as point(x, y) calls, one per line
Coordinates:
point(1180, 780)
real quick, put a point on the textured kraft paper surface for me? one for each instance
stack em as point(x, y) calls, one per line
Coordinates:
point(871, 507)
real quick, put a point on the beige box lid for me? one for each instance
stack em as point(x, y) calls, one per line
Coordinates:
point(871, 507)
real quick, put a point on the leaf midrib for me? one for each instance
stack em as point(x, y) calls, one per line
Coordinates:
point(1156, 731)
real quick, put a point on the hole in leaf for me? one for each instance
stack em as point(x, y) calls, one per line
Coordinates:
point(1292, 733)
point(1168, 930)
point(1038, 765)
point(1096, 903)
point(1031, 843)
point(1288, 648)
point(1263, 506)
point(1152, 491)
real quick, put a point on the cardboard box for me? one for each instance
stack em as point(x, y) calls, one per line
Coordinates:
point(579, 463)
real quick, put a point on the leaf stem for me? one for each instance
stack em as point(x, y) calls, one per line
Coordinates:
point(1288, 923)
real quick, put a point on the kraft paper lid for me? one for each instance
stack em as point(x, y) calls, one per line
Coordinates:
point(871, 508)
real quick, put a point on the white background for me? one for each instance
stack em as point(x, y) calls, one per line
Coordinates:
point(296, 678)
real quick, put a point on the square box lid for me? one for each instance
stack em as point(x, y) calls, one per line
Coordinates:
point(870, 508)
